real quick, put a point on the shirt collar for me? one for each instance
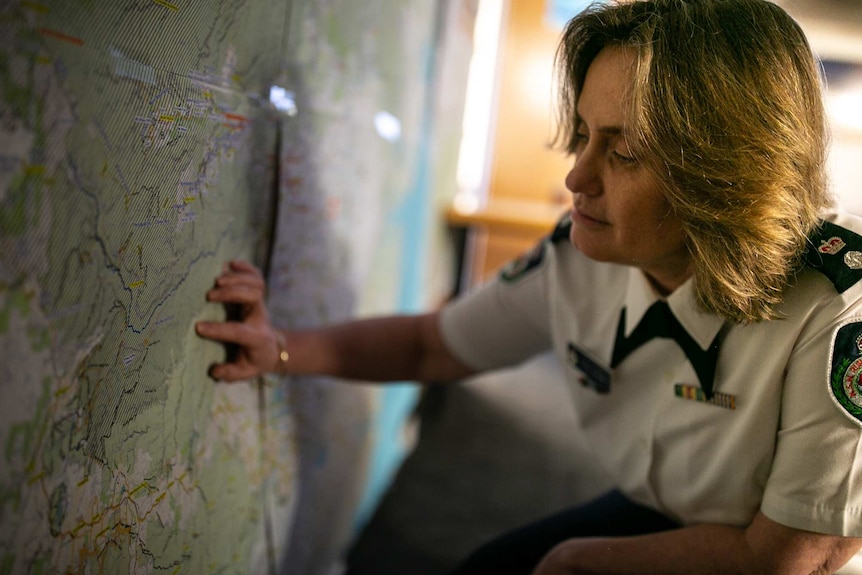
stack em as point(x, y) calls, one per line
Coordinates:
point(640, 295)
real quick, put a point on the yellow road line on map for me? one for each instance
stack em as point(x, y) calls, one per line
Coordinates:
point(62, 390)
point(34, 170)
point(189, 199)
point(167, 5)
point(36, 478)
point(137, 284)
point(164, 118)
point(83, 481)
point(136, 489)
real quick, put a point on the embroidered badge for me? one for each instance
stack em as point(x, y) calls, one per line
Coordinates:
point(846, 368)
point(522, 266)
point(595, 376)
point(853, 260)
point(832, 246)
point(695, 393)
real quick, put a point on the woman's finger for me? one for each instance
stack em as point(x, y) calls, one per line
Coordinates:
point(242, 265)
point(232, 372)
point(240, 280)
point(235, 294)
point(228, 332)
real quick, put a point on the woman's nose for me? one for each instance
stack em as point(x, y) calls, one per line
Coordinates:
point(582, 178)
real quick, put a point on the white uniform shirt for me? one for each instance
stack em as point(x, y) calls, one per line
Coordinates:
point(774, 437)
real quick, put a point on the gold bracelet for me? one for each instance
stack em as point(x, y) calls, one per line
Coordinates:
point(283, 356)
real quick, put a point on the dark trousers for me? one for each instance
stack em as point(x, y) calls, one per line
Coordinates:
point(519, 552)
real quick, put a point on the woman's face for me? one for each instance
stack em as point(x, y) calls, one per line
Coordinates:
point(619, 214)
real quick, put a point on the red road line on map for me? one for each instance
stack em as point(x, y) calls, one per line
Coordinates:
point(235, 117)
point(60, 36)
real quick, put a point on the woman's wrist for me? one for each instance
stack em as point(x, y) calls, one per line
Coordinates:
point(282, 356)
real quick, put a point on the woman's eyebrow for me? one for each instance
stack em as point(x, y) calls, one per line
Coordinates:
point(604, 130)
point(610, 130)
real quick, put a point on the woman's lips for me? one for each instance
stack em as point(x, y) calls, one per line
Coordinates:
point(585, 219)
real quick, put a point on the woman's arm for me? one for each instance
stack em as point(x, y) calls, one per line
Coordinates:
point(392, 348)
point(765, 547)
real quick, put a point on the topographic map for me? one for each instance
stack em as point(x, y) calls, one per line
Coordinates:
point(136, 155)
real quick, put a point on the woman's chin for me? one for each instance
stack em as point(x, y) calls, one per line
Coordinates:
point(589, 245)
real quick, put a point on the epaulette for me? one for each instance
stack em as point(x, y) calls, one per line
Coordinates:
point(836, 252)
point(563, 229)
point(523, 265)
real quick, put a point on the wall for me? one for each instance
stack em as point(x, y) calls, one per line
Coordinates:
point(524, 170)
point(523, 167)
point(834, 29)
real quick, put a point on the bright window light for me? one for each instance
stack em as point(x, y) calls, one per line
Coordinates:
point(481, 80)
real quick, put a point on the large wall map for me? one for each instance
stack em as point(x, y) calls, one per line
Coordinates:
point(138, 152)
point(135, 158)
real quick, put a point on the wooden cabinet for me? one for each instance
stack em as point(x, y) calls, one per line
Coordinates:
point(499, 232)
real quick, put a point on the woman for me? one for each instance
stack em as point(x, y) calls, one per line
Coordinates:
point(709, 322)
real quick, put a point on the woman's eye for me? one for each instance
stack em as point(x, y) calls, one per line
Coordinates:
point(579, 141)
point(624, 159)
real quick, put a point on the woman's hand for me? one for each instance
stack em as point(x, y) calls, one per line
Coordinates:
point(706, 549)
point(556, 562)
point(242, 284)
point(390, 348)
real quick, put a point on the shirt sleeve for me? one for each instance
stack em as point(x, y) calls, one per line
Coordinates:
point(505, 321)
point(815, 482)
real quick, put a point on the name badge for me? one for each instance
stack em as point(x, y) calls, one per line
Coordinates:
point(596, 376)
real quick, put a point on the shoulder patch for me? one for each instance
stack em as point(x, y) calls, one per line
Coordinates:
point(845, 369)
point(523, 265)
point(836, 252)
point(563, 230)
point(520, 267)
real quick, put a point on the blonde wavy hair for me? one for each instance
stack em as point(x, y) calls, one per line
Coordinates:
point(725, 109)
